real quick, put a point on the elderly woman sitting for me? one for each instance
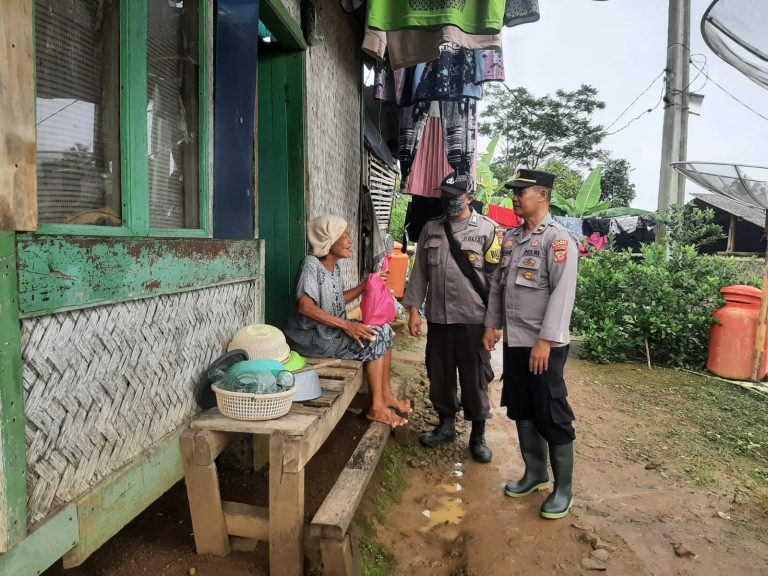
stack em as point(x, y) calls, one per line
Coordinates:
point(320, 327)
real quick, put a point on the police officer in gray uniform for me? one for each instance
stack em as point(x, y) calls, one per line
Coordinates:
point(532, 295)
point(455, 311)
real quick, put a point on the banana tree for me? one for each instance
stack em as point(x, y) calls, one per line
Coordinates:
point(487, 183)
point(587, 202)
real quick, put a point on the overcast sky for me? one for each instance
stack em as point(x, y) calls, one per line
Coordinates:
point(619, 46)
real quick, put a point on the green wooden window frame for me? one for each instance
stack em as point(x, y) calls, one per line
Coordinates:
point(134, 165)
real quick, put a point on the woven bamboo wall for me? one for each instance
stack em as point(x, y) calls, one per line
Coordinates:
point(103, 384)
point(334, 86)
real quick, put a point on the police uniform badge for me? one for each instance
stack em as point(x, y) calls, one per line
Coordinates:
point(472, 257)
point(509, 244)
point(560, 249)
point(535, 243)
point(529, 262)
point(528, 275)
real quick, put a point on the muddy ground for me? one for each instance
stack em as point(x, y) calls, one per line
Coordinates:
point(671, 478)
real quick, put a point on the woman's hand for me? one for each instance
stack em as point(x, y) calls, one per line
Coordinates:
point(359, 333)
point(384, 274)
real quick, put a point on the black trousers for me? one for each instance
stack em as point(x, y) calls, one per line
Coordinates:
point(542, 398)
point(458, 346)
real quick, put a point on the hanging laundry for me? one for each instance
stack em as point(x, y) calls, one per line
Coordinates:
point(430, 166)
point(456, 73)
point(518, 12)
point(459, 122)
point(489, 66)
point(410, 47)
point(471, 16)
point(504, 217)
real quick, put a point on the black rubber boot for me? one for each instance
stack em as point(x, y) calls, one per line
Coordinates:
point(443, 434)
point(534, 450)
point(559, 503)
point(478, 448)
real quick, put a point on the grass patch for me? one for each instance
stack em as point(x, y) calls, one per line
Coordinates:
point(711, 430)
point(377, 559)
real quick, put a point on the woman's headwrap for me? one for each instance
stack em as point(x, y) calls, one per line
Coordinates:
point(323, 232)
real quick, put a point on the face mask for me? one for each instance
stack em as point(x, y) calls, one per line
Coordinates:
point(452, 207)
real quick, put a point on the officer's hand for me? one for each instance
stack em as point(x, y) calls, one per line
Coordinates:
point(414, 322)
point(539, 362)
point(490, 338)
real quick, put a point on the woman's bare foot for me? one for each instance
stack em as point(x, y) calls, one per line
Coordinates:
point(387, 417)
point(402, 406)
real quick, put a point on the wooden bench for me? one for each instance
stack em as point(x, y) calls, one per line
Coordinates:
point(290, 442)
point(331, 524)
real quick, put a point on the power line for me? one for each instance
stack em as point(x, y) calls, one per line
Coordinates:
point(747, 106)
point(635, 100)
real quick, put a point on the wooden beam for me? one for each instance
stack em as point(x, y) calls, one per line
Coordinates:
point(109, 506)
point(18, 173)
point(59, 273)
point(204, 501)
point(286, 495)
point(334, 516)
point(246, 521)
point(340, 557)
point(208, 445)
point(13, 453)
point(731, 235)
point(44, 546)
point(282, 25)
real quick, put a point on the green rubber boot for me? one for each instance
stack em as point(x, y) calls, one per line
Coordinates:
point(534, 450)
point(558, 504)
point(444, 433)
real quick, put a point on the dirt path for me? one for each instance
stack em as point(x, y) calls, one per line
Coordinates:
point(664, 459)
point(632, 494)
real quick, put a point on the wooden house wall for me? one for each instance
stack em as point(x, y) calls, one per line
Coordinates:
point(104, 384)
point(334, 91)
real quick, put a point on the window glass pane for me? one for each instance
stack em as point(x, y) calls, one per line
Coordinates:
point(77, 51)
point(172, 113)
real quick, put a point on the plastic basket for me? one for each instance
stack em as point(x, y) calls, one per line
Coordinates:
point(245, 406)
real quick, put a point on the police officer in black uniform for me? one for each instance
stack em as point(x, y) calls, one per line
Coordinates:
point(531, 299)
point(455, 311)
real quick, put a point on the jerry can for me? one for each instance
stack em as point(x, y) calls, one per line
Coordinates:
point(732, 341)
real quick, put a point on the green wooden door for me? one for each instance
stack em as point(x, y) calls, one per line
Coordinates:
point(282, 211)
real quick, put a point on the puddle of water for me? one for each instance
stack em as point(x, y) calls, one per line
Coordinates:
point(448, 510)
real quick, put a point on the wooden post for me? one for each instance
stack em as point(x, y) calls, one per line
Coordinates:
point(731, 235)
point(204, 501)
point(286, 513)
point(18, 173)
point(13, 453)
point(763, 318)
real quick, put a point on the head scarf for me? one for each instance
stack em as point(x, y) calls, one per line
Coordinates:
point(322, 232)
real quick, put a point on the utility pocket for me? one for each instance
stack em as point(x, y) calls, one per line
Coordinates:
point(474, 252)
point(529, 272)
point(433, 251)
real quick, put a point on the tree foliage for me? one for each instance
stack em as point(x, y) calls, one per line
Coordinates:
point(615, 184)
point(689, 225)
point(568, 181)
point(661, 303)
point(534, 129)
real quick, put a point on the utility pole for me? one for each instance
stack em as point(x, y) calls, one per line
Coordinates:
point(674, 134)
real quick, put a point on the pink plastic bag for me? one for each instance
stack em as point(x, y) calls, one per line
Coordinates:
point(377, 305)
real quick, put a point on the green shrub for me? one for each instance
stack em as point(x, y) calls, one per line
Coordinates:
point(622, 303)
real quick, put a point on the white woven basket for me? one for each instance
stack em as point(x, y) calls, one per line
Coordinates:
point(245, 406)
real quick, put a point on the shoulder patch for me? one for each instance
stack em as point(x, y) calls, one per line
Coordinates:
point(560, 251)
